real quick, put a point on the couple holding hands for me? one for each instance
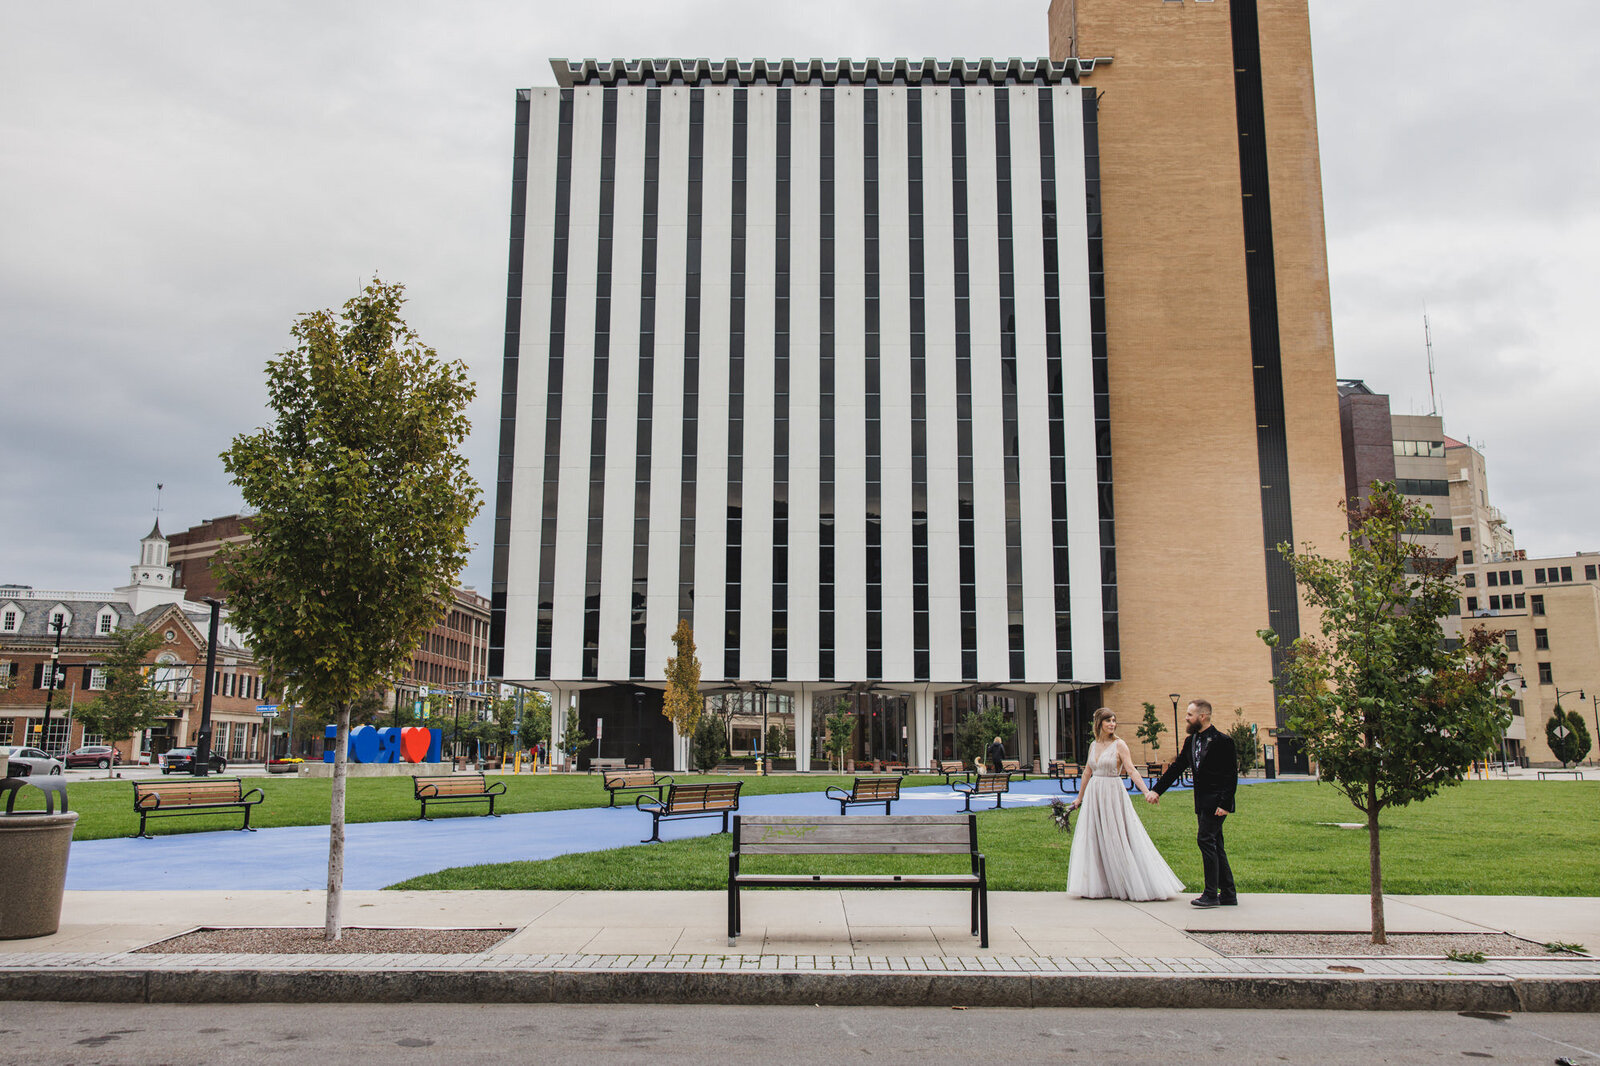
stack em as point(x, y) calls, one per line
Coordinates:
point(1112, 855)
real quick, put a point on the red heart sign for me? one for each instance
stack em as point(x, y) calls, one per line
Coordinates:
point(414, 743)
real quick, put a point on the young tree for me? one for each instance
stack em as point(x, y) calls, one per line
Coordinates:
point(574, 741)
point(1568, 736)
point(362, 500)
point(710, 743)
point(682, 702)
point(1245, 747)
point(779, 740)
point(977, 728)
point(1150, 729)
point(1390, 712)
point(130, 703)
point(840, 727)
point(535, 720)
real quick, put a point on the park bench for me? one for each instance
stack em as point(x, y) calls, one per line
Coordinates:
point(875, 834)
point(199, 796)
point(996, 785)
point(1560, 773)
point(1062, 772)
point(447, 787)
point(615, 781)
point(884, 790)
point(690, 801)
point(1014, 766)
point(1153, 772)
point(950, 768)
point(607, 764)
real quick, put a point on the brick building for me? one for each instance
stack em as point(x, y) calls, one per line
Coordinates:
point(35, 659)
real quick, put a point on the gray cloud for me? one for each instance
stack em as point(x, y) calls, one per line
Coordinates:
point(179, 180)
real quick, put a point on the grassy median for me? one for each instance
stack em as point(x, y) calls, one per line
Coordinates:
point(1482, 838)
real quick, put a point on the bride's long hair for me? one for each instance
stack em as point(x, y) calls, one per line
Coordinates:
point(1100, 716)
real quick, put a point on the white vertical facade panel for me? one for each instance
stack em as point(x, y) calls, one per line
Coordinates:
point(622, 392)
point(761, 233)
point(1033, 389)
point(850, 383)
point(1083, 497)
point(988, 424)
point(895, 328)
point(805, 210)
point(944, 554)
point(666, 429)
point(533, 354)
point(711, 496)
point(577, 392)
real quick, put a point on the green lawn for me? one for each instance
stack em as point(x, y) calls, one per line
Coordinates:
point(105, 808)
point(1482, 838)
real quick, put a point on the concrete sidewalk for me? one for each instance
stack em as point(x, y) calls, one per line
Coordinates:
point(883, 947)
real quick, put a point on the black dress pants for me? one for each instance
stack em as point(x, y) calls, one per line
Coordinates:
point(1213, 856)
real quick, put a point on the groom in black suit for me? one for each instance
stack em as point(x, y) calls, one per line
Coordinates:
point(1210, 756)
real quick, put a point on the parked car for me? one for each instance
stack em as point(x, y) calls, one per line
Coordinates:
point(181, 760)
point(102, 755)
point(36, 761)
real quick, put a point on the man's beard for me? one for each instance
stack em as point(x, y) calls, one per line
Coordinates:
point(1195, 727)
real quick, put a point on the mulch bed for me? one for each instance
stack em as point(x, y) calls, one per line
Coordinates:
point(353, 941)
point(1356, 945)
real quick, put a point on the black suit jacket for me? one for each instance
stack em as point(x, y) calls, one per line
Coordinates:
point(1217, 776)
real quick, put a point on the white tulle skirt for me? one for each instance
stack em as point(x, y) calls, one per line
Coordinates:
point(1112, 856)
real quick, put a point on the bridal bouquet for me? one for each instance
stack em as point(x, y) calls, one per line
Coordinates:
point(1061, 814)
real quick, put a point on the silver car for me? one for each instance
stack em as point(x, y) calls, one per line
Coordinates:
point(37, 761)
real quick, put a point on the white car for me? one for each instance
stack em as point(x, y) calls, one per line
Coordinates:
point(37, 761)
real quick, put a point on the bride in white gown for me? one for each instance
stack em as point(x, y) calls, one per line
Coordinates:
point(1112, 855)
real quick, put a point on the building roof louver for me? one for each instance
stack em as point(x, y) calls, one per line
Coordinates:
point(1013, 71)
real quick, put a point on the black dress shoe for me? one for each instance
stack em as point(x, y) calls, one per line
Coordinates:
point(1205, 901)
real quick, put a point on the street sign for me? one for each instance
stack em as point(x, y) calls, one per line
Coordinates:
point(270, 714)
point(263, 708)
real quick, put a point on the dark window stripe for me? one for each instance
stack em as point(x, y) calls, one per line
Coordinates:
point(557, 365)
point(1272, 450)
point(780, 414)
point(825, 592)
point(1059, 539)
point(1102, 388)
point(965, 516)
point(732, 579)
point(602, 379)
point(508, 387)
point(647, 373)
point(874, 397)
point(691, 357)
point(1008, 384)
point(921, 655)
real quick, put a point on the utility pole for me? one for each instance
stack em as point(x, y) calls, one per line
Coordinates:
point(202, 741)
point(58, 623)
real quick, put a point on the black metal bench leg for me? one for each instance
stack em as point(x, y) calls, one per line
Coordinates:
point(655, 830)
point(886, 806)
point(247, 827)
point(724, 821)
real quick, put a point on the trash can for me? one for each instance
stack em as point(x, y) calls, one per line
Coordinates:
point(33, 875)
point(1269, 761)
point(1522, 761)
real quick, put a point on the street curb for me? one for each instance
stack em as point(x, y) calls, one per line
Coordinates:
point(776, 988)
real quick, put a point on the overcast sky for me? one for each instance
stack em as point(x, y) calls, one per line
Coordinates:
point(179, 180)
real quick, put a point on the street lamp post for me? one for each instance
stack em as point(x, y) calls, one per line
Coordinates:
point(58, 624)
point(1581, 698)
point(202, 739)
point(1173, 696)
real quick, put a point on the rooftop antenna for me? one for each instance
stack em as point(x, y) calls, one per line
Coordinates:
point(1427, 335)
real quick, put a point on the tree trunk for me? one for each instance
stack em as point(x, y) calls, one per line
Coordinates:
point(333, 922)
point(1379, 933)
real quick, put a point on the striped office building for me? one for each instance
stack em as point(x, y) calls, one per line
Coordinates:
point(812, 355)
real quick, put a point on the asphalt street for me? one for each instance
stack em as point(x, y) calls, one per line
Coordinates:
point(88, 1034)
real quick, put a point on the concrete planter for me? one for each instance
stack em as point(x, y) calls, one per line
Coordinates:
point(34, 875)
point(284, 767)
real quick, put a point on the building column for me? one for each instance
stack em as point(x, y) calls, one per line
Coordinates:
point(802, 726)
point(923, 705)
point(558, 715)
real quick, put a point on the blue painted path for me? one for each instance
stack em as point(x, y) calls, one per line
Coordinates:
point(379, 854)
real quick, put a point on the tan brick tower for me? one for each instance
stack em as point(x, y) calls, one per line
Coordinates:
point(1224, 410)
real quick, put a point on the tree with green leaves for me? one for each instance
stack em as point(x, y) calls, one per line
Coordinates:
point(839, 727)
point(682, 703)
point(574, 741)
point(1245, 746)
point(1568, 736)
point(1151, 728)
point(535, 720)
point(362, 500)
point(779, 740)
point(977, 728)
point(131, 702)
point(709, 745)
point(1390, 711)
